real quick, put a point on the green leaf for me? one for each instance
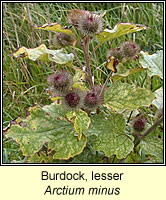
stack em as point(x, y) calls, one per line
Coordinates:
point(134, 157)
point(88, 157)
point(152, 145)
point(81, 123)
point(42, 53)
point(43, 126)
point(40, 158)
point(153, 62)
point(43, 157)
point(79, 75)
point(120, 29)
point(109, 135)
point(158, 102)
point(119, 77)
point(55, 27)
point(121, 96)
point(78, 79)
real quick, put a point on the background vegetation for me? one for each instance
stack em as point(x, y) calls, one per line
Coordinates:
point(24, 81)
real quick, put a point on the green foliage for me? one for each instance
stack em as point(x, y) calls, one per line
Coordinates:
point(152, 145)
point(81, 121)
point(118, 77)
point(40, 158)
point(42, 53)
point(154, 63)
point(108, 135)
point(43, 127)
point(121, 96)
point(55, 27)
point(119, 30)
point(87, 156)
point(158, 102)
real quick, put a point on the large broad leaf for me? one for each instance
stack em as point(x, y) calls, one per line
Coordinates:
point(153, 62)
point(158, 102)
point(55, 27)
point(119, 77)
point(43, 125)
point(120, 29)
point(121, 96)
point(152, 145)
point(42, 53)
point(109, 135)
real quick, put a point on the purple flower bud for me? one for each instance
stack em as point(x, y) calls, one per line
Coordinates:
point(139, 124)
point(129, 49)
point(93, 99)
point(75, 16)
point(116, 53)
point(60, 81)
point(86, 22)
point(72, 99)
point(90, 24)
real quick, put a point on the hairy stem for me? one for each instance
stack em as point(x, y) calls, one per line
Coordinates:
point(76, 56)
point(87, 60)
point(96, 47)
point(105, 84)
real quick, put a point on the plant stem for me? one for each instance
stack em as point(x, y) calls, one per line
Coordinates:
point(75, 54)
point(87, 60)
point(96, 47)
point(105, 84)
point(123, 159)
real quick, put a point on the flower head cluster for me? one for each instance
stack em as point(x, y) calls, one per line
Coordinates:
point(127, 50)
point(61, 83)
point(86, 22)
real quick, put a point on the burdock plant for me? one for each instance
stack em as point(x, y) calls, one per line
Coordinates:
point(85, 112)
